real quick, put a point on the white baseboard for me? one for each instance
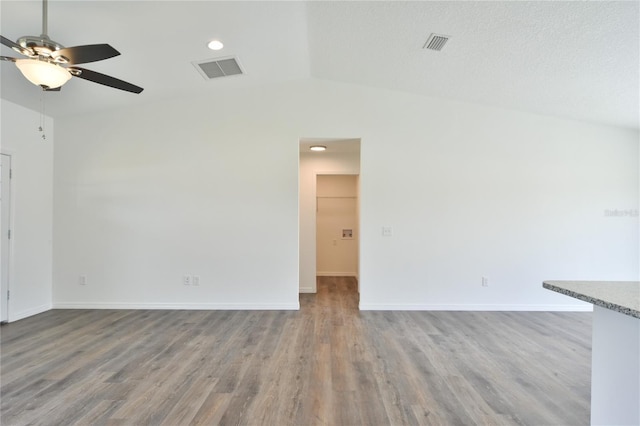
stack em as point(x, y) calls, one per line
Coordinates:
point(471, 307)
point(295, 307)
point(336, 274)
point(28, 313)
point(307, 290)
point(182, 306)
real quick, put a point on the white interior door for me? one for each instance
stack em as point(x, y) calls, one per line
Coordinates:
point(5, 199)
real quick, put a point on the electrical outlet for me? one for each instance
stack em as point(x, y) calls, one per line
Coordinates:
point(186, 279)
point(195, 280)
point(485, 282)
point(387, 231)
point(82, 280)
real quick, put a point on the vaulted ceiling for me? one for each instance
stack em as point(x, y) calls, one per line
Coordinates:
point(569, 59)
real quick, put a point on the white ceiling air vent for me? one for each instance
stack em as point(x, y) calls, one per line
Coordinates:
point(436, 42)
point(221, 67)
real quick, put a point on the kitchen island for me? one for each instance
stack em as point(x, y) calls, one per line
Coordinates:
point(615, 357)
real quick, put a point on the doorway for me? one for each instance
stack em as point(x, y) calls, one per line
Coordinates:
point(337, 232)
point(341, 157)
point(5, 201)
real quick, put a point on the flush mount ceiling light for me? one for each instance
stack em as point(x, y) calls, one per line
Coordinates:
point(318, 148)
point(42, 73)
point(215, 45)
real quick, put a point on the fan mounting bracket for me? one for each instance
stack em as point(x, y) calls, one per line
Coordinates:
point(41, 45)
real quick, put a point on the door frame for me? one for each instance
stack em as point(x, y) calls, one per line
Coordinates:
point(335, 162)
point(315, 215)
point(5, 267)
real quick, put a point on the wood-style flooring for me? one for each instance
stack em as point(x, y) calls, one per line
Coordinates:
point(327, 364)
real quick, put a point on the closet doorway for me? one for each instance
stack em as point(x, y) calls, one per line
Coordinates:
point(337, 230)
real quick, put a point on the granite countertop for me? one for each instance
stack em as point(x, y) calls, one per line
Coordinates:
point(619, 296)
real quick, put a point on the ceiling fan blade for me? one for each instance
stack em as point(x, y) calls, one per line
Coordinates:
point(15, 46)
point(9, 43)
point(8, 58)
point(103, 79)
point(87, 53)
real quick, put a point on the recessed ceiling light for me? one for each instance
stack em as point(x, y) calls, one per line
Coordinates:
point(215, 45)
point(318, 148)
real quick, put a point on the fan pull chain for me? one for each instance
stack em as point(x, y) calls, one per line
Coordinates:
point(41, 128)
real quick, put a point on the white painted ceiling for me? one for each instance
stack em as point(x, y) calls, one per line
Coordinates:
point(575, 59)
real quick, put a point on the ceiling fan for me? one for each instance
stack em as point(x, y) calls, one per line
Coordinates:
point(50, 65)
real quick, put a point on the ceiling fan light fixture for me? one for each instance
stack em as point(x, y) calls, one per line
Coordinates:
point(42, 73)
point(23, 50)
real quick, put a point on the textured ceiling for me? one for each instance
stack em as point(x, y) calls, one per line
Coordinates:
point(158, 42)
point(569, 59)
point(574, 59)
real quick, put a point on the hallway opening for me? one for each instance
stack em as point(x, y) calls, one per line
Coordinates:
point(328, 196)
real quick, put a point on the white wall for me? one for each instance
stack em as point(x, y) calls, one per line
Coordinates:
point(515, 197)
point(147, 195)
point(31, 209)
point(311, 165)
point(144, 195)
point(337, 205)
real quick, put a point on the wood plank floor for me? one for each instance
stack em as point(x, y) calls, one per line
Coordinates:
point(327, 364)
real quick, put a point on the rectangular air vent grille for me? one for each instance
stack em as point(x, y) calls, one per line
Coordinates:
point(436, 42)
point(214, 68)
